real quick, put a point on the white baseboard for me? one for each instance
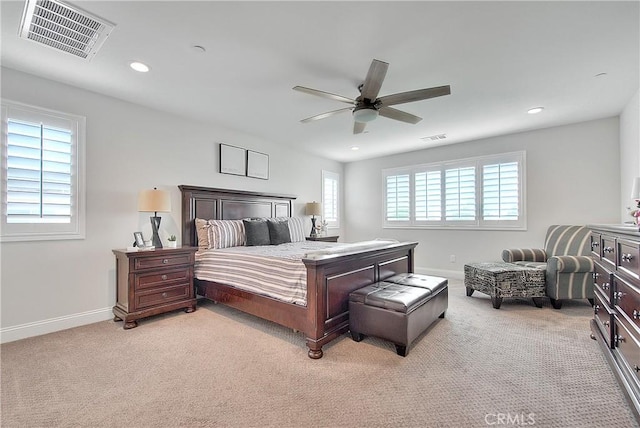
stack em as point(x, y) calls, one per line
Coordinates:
point(37, 328)
point(453, 274)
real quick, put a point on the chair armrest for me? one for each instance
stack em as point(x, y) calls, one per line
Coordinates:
point(524, 255)
point(568, 264)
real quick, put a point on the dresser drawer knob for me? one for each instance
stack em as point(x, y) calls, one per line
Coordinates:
point(596, 308)
point(164, 277)
point(606, 323)
point(627, 257)
point(608, 249)
point(164, 294)
point(165, 261)
point(618, 295)
point(596, 275)
point(636, 314)
point(620, 338)
point(606, 286)
point(636, 368)
point(595, 244)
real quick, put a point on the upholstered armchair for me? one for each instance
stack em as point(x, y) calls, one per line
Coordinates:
point(565, 260)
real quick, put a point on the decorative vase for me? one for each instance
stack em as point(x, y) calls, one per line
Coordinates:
point(172, 244)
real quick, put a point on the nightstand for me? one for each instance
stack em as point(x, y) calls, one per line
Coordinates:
point(152, 282)
point(333, 238)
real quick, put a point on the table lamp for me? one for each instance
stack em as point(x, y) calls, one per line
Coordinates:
point(313, 209)
point(154, 201)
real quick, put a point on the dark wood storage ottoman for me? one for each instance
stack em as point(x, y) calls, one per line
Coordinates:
point(499, 279)
point(398, 311)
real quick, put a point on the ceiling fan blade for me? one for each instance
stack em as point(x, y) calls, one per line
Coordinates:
point(324, 94)
point(396, 114)
point(373, 81)
point(358, 127)
point(417, 95)
point(327, 114)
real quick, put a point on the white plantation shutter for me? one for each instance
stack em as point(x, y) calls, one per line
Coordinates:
point(42, 175)
point(500, 191)
point(398, 198)
point(331, 198)
point(483, 192)
point(460, 190)
point(428, 199)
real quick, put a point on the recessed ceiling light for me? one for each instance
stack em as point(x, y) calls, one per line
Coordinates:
point(535, 110)
point(354, 148)
point(138, 66)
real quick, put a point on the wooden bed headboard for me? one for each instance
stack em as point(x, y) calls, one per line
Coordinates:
point(226, 204)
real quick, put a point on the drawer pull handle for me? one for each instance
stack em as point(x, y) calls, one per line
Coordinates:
point(596, 275)
point(606, 323)
point(596, 308)
point(620, 338)
point(595, 244)
point(606, 285)
point(164, 277)
point(627, 257)
point(165, 261)
point(636, 314)
point(608, 249)
point(164, 294)
point(636, 368)
point(618, 295)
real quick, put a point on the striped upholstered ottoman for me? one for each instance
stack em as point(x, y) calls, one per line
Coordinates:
point(499, 279)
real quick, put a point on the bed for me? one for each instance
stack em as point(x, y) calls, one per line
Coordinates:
point(330, 278)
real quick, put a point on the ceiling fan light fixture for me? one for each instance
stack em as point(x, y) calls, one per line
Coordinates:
point(365, 114)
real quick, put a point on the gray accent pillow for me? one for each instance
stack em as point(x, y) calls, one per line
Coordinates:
point(256, 231)
point(278, 231)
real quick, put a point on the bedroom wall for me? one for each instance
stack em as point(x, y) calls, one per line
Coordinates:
point(572, 178)
point(629, 153)
point(51, 285)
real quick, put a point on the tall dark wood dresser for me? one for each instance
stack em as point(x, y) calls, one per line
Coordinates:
point(616, 321)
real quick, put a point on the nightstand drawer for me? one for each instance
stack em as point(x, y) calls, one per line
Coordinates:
point(165, 295)
point(162, 261)
point(161, 278)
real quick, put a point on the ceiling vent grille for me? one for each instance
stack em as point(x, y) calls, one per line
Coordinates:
point(64, 27)
point(434, 137)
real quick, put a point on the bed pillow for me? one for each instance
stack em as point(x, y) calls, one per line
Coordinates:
point(256, 231)
point(296, 228)
point(278, 231)
point(215, 234)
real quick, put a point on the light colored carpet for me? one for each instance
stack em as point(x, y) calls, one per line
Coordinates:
point(218, 367)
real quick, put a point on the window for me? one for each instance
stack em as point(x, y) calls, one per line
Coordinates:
point(331, 198)
point(42, 174)
point(484, 192)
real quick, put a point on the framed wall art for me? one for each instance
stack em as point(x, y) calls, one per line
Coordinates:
point(257, 165)
point(233, 160)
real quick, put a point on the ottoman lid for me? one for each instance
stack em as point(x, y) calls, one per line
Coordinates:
point(433, 283)
point(394, 297)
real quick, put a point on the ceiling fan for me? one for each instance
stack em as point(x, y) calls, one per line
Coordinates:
point(368, 106)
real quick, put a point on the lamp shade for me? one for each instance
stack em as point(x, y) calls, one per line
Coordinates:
point(635, 189)
point(154, 201)
point(313, 208)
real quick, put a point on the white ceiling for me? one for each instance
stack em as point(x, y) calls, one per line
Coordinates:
point(500, 59)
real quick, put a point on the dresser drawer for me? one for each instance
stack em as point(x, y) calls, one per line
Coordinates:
point(146, 299)
point(627, 301)
point(603, 316)
point(596, 249)
point(162, 260)
point(608, 249)
point(628, 253)
point(629, 346)
point(603, 280)
point(161, 278)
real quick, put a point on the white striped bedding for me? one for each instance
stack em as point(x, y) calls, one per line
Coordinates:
point(275, 271)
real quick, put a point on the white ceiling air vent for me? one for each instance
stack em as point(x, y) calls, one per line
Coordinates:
point(64, 27)
point(434, 137)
